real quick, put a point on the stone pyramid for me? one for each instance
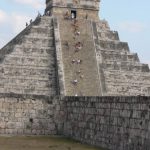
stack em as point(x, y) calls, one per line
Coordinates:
point(69, 51)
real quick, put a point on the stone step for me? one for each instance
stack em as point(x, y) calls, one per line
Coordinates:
point(41, 31)
point(28, 84)
point(131, 77)
point(33, 47)
point(126, 90)
point(127, 83)
point(36, 61)
point(38, 27)
point(103, 25)
point(6, 70)
point(114, 45)
point(42, 55)
point(47, 19)
point(18, 90)
point(24, 82)
point(39, 41)
point(117, 56)
point(24, 77)
point(119, 80)
point(31, 37)
point(44, 20)
point(122, 52)
point(126, 66)
point(46, 24)
point(26, 74)
point(108, 35)
point(34, 50)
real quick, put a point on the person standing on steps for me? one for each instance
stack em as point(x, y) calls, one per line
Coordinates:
point(26, 24)
point(75, 82)
point(48, 13)
point(78, 46)
point(72, 15)
point(75, 24)
point(39, 15)
point(86, 17)
point(67, 15)
point(30, 21)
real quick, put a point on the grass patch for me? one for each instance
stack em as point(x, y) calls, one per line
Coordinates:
point(42, 143)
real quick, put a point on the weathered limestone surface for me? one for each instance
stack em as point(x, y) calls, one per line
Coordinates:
point(84, 8)
point(39, 60)
point(28, 63)
point(88, 67)
point(115, 123)
point(121, 71)
point(41, 63)
point(28, 115)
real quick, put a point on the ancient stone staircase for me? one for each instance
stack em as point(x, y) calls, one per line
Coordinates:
point(122, 71)
point(28, 61)
point(81, 78)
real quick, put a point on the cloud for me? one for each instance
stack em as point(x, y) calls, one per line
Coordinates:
point(3, 16)
point(37, 4)
point(11, 24)
point(134, 27)
point(14, 20)
point(18, 23)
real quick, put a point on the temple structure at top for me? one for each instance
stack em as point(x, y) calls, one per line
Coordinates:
point(78, 8)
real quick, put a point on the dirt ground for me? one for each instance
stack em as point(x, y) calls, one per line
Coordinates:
point(41, 143)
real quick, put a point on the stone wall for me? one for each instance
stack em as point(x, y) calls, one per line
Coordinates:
point(115, 123)
point(28, 115)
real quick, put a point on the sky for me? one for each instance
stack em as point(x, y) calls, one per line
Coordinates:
point(130, 18)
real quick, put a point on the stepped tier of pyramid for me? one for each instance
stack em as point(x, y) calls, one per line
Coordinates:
point(69, 51)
